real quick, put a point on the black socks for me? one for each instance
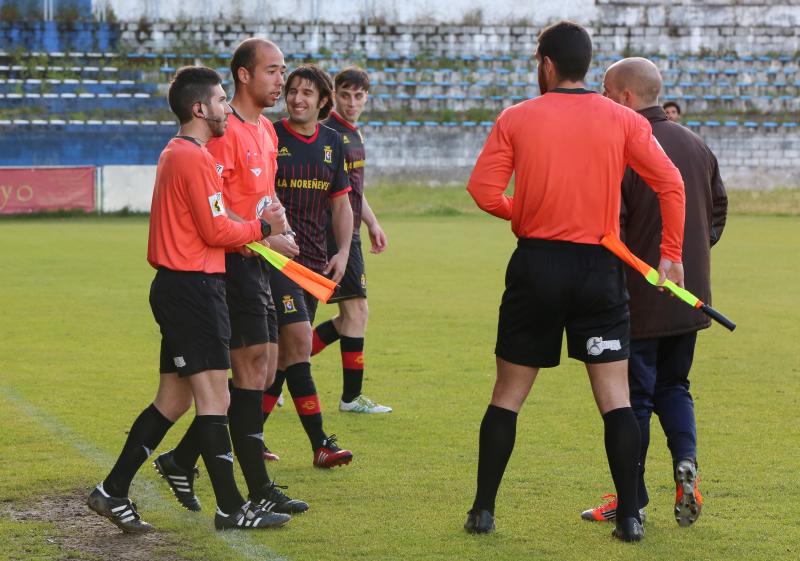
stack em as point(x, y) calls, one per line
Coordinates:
point(246, 423)
point(352, 367)
point(212, 438)
point(304, 394)
point(272, 394)
point(498, 432)
point(145, 435)
point(623, 441)
point(324, 334)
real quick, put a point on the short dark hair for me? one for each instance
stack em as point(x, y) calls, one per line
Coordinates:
point(245, 56)
point(672, 104)
point(320, 79)
point(190, 85)
point(352, 77)
point(569, 46)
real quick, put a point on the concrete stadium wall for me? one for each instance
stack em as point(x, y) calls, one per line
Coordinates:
point(749, 159)
point(349, 11)
point(454, 28)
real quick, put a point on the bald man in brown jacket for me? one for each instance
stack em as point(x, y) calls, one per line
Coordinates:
point(663, 329)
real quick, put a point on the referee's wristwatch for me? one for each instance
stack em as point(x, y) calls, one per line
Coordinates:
point(266, 229)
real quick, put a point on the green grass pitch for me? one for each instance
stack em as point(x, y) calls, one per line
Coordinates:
point(79, 358)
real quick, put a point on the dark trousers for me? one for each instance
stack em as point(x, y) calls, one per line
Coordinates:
point(658, 376)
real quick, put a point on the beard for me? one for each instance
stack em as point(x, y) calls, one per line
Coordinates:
point(217, 128)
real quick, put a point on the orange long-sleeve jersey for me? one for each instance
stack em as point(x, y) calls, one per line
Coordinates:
point(247, 155)
point(189, 229)
point(568, 151)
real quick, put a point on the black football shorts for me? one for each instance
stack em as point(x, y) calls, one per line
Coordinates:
point(292, 303)
point(553, 286)
point(252, 312)
point(191, 312)
point(354, 281)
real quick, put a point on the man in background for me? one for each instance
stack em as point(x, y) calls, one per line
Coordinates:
point(673, 111)
point(663, 329)
point(351, 91)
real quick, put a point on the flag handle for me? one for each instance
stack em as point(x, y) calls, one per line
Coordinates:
point(718, 317)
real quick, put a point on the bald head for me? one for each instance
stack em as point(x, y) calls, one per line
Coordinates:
point(634, 82)
point(246, 54)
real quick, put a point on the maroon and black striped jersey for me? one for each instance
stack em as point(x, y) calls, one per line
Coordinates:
point(354, 158)
point(311, 170)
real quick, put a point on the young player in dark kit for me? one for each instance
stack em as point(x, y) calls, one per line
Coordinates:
point(311, 178)
point(351, 90)
point(246, 158)
point(568, 168)
point(189, 231)
point(663, 329)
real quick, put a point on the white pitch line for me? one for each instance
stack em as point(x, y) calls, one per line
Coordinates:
point(236, 541)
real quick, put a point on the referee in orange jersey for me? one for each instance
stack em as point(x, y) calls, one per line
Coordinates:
point(568, 150)
point(245, 157)
point(189, 231)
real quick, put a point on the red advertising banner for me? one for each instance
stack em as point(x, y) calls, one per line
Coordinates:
point(28, 190)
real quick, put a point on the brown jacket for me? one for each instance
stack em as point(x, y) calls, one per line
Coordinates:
point(655, 314)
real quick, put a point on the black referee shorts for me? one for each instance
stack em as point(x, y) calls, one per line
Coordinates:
point(293, 304)
point(190, 309)
point(555, 285)
point(250, 305)
point(354, 281)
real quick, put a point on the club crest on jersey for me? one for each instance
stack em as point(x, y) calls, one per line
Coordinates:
point(345, 139)
point(262, 204)
point(328, 151)
point(220, 169)
point(256, 171)
point(215, 202)
point(284, 151)
point(288, 305)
